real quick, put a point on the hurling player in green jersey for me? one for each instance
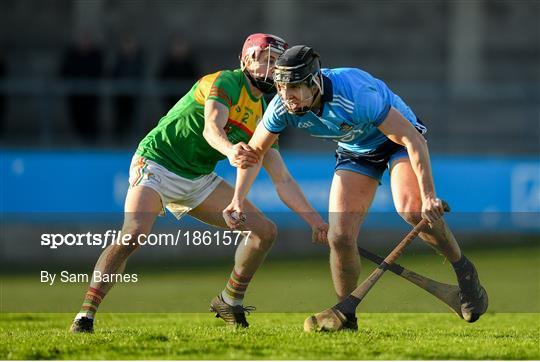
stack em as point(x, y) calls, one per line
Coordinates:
point(173, 168)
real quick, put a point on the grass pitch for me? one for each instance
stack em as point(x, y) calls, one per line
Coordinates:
point(271, 336)
point(167, 318)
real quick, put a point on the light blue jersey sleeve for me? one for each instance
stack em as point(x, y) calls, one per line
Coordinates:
point(275, 118)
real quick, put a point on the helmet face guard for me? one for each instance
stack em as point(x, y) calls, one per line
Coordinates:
point(264, 84)
point(254, 45)
point(296, 66)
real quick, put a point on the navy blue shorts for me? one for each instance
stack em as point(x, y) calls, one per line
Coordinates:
point(372, 164)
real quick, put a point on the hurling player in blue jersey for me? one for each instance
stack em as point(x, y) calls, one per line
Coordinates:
point(375, 130)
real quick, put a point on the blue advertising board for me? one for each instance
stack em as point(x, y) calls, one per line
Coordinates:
point(484, 192)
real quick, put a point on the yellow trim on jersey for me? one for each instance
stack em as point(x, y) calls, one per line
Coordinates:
point(204, 89)
point(246, 113)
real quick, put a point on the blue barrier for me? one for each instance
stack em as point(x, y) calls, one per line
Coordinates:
point(500, 193)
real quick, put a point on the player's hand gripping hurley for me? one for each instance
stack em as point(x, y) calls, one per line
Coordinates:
point(332, 319)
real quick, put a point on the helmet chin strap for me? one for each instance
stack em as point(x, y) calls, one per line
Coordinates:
point(260, 83)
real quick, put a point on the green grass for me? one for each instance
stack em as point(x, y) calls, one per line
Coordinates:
point(167, 314)
point(271, 336)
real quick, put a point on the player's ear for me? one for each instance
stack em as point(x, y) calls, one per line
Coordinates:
point(245, 62)
point(249, 62)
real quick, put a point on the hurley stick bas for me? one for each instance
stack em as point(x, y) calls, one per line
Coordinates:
point(332, 319)
point(446, 293)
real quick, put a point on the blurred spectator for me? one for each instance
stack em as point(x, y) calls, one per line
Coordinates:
point(3, 97)
point(83, 61)
point(178, 65)
point(128, 67)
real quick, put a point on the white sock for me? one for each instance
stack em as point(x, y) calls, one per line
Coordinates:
point(230, 301)
point(81, 315)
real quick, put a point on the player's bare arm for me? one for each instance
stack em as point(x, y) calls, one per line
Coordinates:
point(260, 143)
point(215, 119)
point(290, 193)
point(401, 131)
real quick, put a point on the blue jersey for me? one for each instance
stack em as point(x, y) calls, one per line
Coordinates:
point(354, 104)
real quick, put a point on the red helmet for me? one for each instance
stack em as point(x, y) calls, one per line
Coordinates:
point(255, 43)
point(253, 46)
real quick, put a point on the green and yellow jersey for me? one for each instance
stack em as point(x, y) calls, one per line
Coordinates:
point(177, 142)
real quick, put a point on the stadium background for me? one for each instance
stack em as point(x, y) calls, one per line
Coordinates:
point(469, 69)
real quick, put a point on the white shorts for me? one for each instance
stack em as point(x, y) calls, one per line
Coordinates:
point(178, 194)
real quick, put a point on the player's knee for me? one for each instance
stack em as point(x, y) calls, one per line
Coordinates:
point(272, 231)
point(265, 237)
point(412, 218)
point(270, 234)
point(339, 240)
point(411, 211)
